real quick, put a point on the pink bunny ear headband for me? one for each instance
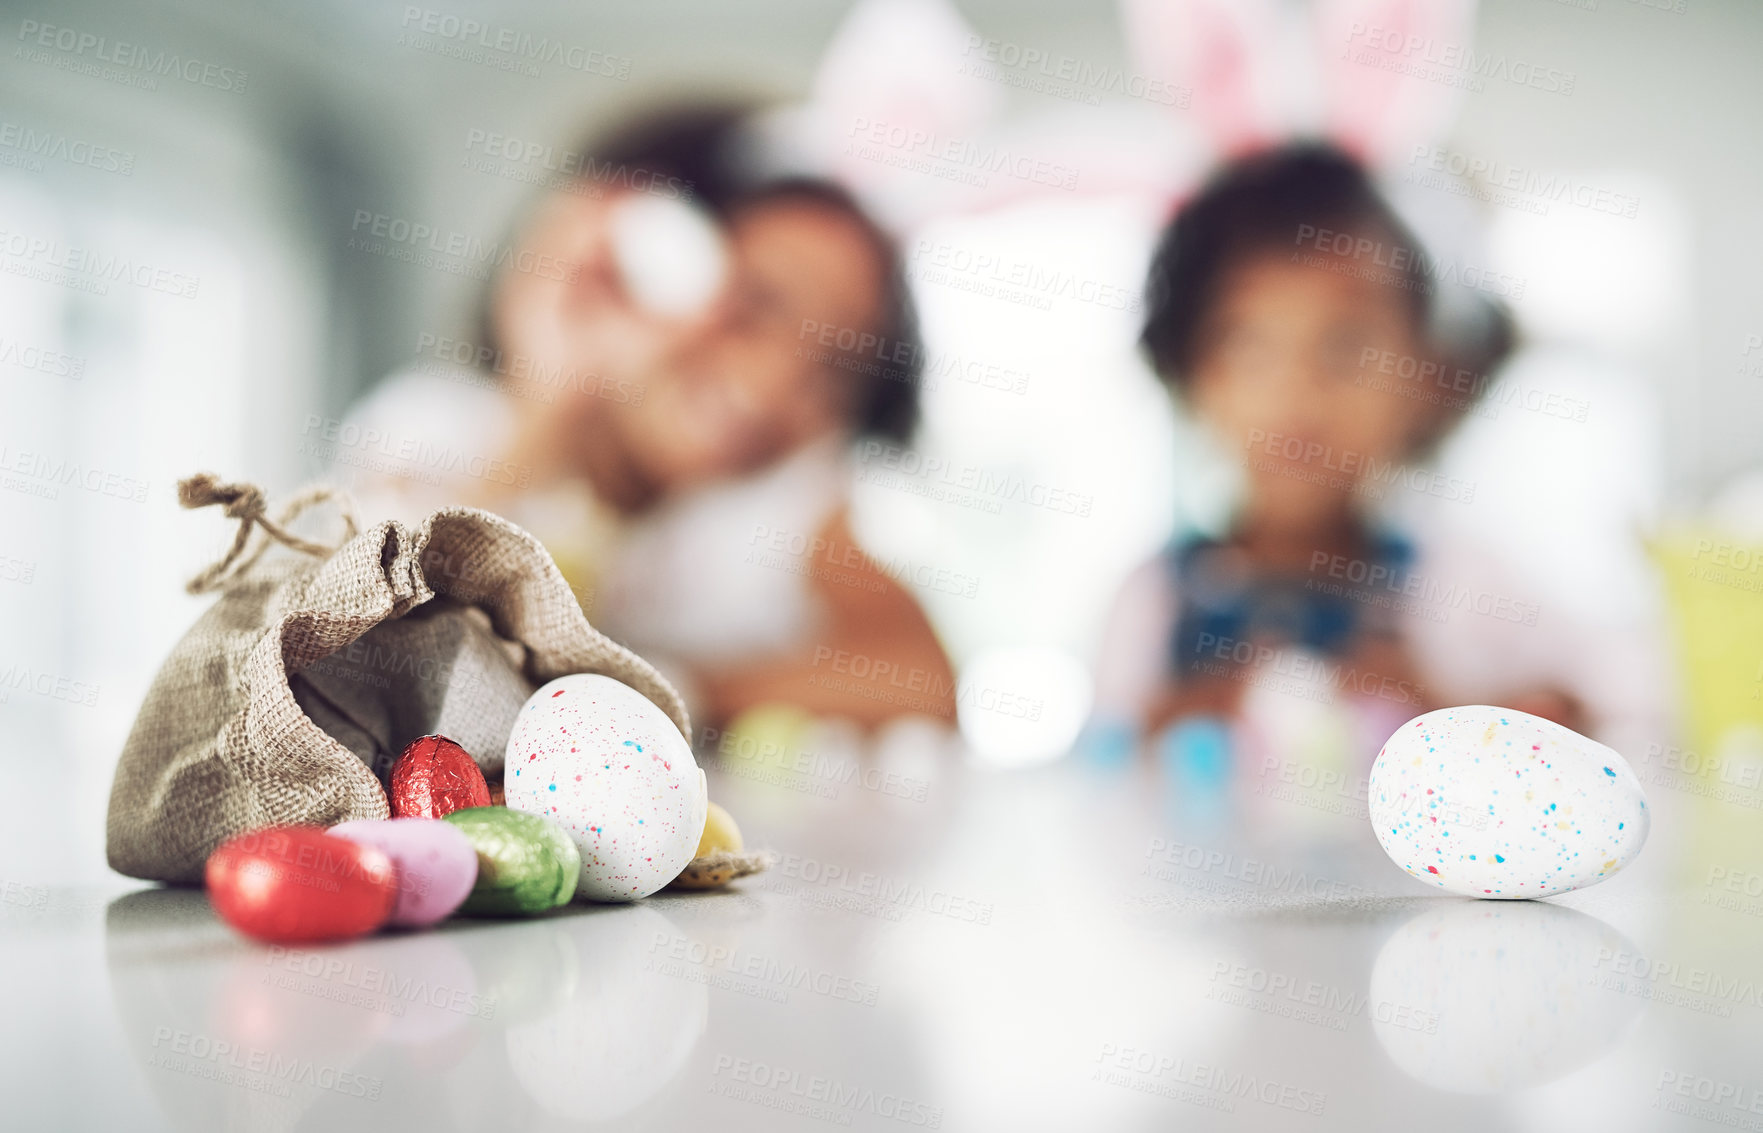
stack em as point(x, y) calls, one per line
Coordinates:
point(1351, 71)
point(907, 109)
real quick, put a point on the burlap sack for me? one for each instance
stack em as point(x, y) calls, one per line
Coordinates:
point(222, 744)
point(438, 670)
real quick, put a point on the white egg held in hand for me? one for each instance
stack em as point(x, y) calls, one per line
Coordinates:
point(671, 256)
point(600, 758)
point(1488, 802)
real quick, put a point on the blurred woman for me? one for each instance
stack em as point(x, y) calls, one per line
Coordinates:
point(651, 396)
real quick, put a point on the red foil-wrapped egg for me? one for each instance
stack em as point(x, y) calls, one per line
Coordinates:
point(297, 885)
point(435, 777)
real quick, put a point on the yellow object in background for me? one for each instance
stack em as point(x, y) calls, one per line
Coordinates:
point(719, 859)
point(1715, 588)
point(581, 576)
point(757, 762)
point(767, 733)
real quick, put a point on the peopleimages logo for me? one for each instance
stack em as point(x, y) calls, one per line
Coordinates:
point(967, 485)
point(433, 246)
point(41, 475)
point(836, 560)
point(1361, 579)
point(51, 686)
point(1503, 176)
point(1308, 675)
point(1210, 1086)
point(1398, 260)
point(1285, 880)
point(90, 269)
point(892, 893)
point(480, 364)
point(509, 49)
point(1454, 64)
point(346, 442)
point(143, 65)
point(1367, 471)
point(54, 363)
point(574, 164)
point(1063, 76)
point(252, 1067)
point(830, 1099)
point(30, 145)
point(1716, 1100)
point(960, 159)
point(938, 261)
point(1309, 1001)
point(1670, 981)
point(1479, 393)
point(868, 353)
point(329, 976)
point(741, 754)
point(776, 974)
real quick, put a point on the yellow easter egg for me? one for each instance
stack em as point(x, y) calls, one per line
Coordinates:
point(719, 859)
point(720, 833)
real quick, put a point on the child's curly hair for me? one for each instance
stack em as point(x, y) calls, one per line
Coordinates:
point(1268, 203)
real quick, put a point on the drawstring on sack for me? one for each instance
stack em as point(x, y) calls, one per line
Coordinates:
point(245, 503)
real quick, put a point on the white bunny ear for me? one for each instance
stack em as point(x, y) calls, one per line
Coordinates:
point(1233, 57)
point(1394, 72)
point(907, 61)
point(1362, 72)
point(898, 87)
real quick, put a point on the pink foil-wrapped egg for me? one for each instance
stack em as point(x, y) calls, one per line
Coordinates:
point(435, 863)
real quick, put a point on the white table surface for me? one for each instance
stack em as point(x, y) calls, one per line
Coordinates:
point(1061, 948)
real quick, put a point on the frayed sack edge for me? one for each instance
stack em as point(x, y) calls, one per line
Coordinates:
point(713, 871)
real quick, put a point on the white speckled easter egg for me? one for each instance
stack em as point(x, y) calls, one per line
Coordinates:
point(1488, 802)
point(602, 760)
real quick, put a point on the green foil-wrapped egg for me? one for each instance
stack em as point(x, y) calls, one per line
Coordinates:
point(525, 862)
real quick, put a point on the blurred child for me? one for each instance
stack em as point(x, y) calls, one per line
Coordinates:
point(1294, 316)
point(649, 403)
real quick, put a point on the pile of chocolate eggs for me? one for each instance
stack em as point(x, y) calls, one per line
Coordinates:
point(603, 801)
